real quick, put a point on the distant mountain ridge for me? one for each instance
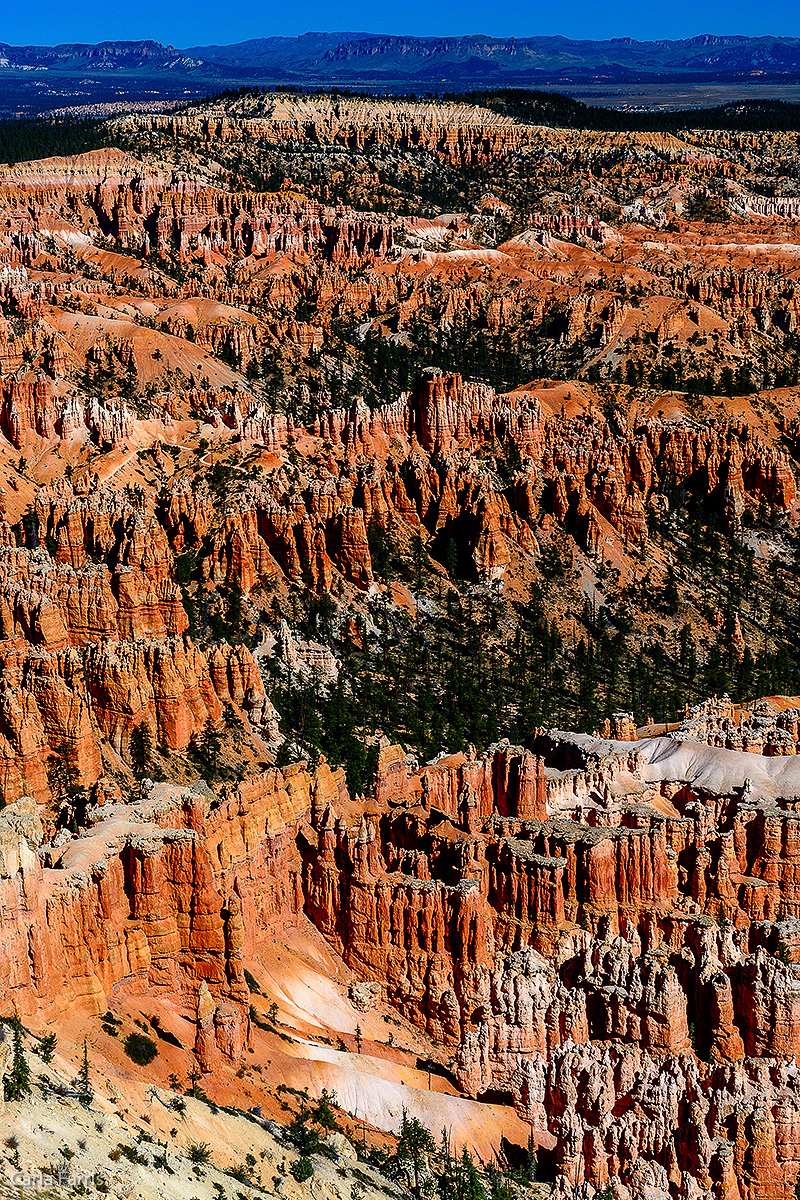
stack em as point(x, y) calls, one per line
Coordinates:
point(555, 56)
point(252, 52)
point(68, 56)
point(346, 57)
point(80, 76)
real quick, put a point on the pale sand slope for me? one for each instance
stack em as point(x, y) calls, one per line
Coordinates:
point(719, 770)
point(710, 767)
point(309, 983)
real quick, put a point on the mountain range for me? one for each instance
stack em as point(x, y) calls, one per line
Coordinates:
point(361, 57)
point(83, 77)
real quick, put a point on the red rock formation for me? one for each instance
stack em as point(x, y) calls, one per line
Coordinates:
point(165, 897)
point(137, 664)
point(556, 938)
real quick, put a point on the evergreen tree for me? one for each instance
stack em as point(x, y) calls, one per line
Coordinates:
point(209, 746)
point(47, 1047)
point(18, 1080)
point(672, 597)
point(469, 1181)
point(418, 558)
point(234, 613)
point(451, 558)
point(141, 750)
point(415, 1144)
point(85, 1089)
point(306, 1139)
point(194, 1080)
point(323, 1114)
point(63, 778)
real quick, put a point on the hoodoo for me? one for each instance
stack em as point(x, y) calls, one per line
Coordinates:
point(399, 669)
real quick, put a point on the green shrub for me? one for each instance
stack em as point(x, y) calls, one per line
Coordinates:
point(140, 1049)
point(129, 1152)
point(240, 1174)
point(303, 1169)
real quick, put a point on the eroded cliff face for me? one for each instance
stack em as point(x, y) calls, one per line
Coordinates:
point(586, 929)
point(412, 465)
point(94, 635)
point(460, 133)
point(236, 273)
point(90, 653)
point(161, 896)
point(156, 209)
point(758, 728)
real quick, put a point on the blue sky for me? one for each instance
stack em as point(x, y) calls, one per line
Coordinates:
point(206, 21)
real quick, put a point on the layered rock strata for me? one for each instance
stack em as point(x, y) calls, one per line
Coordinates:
point(589, 930)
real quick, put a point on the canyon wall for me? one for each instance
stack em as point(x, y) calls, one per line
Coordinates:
point(595, 946)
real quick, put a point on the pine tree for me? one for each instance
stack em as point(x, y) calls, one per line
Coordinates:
point(194, 1079)
point(469, 1181)
point(63, 777)
point(18, 1081)
point(322, 1113)
point(47, 1047)
point(672, 598)
point(415, 1144)
point(418, 557)
point(451, 558)
point(234, 614)
point(85, 1090)
point(141, 750)
point(209, 746)
point(530, 1166)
